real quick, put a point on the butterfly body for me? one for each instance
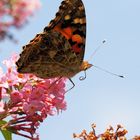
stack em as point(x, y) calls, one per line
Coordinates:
point(59, 50)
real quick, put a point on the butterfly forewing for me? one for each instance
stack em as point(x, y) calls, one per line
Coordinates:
point(71, 22)
point(59, 50)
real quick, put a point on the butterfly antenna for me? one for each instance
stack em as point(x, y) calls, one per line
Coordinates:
point(103, 42)
point(83, 77)
point(121, 76)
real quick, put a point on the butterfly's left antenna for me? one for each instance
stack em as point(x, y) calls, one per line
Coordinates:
point(84, 77)
point(103, 42)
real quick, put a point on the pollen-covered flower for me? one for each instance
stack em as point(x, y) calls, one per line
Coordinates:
point(28, 99)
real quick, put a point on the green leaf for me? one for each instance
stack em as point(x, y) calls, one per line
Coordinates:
point(2, 122)
point(6, 134)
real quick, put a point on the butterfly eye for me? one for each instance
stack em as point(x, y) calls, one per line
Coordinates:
point(43, 47)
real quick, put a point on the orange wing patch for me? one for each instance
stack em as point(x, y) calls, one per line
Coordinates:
point(67, 32)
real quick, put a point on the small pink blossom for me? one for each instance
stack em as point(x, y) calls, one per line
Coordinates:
point(38, 94)
point(26, 91)
point(4, 94)
point(32, 107)
point(15, 13)
point(16, 97)
point(11, 63)
point(60, 103)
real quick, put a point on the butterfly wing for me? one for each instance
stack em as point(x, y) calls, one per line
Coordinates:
point(70, 21)
point(59, 50)
point(48, 55)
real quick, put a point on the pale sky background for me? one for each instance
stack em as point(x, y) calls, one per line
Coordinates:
point(101, 98)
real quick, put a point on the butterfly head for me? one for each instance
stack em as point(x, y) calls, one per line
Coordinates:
point(85, 65)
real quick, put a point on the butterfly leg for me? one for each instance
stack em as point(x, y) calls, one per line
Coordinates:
point(73, 85)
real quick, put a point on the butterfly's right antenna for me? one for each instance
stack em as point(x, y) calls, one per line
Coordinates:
point(121, 76)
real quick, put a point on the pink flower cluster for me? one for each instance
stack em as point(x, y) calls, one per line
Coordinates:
point(28, 99)
point(15, 13)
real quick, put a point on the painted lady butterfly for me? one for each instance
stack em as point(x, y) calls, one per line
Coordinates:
point(59, 50)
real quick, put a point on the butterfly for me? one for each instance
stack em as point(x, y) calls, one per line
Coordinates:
point(59, 50)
